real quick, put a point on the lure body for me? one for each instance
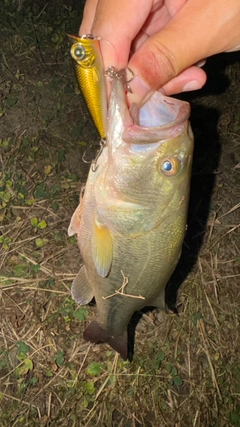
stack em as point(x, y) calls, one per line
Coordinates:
point(88, 65)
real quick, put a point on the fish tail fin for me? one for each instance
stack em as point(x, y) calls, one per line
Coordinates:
point(96, 334)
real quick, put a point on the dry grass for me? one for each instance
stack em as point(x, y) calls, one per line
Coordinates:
point(186, 368)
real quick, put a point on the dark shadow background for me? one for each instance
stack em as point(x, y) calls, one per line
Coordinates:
point(207, 152)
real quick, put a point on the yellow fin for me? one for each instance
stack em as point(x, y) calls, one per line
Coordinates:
point(102, 249)
point(81, 290)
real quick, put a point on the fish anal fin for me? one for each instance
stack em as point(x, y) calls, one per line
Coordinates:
point(102, 250)
point(96, 334)
point(81, 290)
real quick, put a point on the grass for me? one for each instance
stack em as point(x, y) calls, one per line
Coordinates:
point(186, 368)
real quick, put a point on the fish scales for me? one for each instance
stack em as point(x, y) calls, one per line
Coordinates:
point(133, 216)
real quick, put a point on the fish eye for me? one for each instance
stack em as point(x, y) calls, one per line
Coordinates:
point(170, 166)
point(79, 52)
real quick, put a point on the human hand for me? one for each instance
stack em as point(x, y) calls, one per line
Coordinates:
point(161, 40)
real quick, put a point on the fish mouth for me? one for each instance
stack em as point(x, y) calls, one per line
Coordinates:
point(160, 118)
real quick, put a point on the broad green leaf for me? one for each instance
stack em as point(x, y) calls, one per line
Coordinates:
point(5, 196)
point(47, 169)
point(34, 222)
point(25, 367)
point(94, 369)
point(35, 149)
point(11, 101)
point(4, 143)
point(35, 268)
point(89, 387)
point(55, 206)
point(59, 358)
point(42, 224)
point(40, 191)
point(169, 367)
point(28, 364)
point(33, 381)
point(72, 240)
point(81, 313)
point(56, 188)
point(40, 242)
point(22, 347)
point(3, 363)
point(30, 202)
point(65, 185)
point(85, 402)
point(177, 381)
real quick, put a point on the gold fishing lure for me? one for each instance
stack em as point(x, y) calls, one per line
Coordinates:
point(88, 64)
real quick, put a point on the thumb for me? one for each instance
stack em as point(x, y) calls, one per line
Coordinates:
point(165, 59)
point(162, 62)
point(158, 64)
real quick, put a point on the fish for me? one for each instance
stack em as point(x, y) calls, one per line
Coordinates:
point(87, 58)
point(131, 220)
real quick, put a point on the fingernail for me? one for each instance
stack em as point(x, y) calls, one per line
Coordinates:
point(201, 63)
point(193, 85)
point(140, 91)
point(129, 75)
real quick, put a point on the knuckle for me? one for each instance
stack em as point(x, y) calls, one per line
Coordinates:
point(157, 64)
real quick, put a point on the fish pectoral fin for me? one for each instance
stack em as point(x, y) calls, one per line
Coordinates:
point(96, 334)
point(81, 290)
point(102, 250)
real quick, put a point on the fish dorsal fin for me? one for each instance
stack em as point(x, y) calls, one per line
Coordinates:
point(81, 290)
point(76, 218)
point(102, 248)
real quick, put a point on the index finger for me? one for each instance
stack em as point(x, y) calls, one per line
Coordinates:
point(117, 23)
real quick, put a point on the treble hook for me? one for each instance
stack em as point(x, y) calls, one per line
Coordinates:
point(99, 152)
point(94, 162)
point(121, 75)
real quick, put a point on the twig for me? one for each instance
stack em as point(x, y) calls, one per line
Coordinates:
point(120, 291)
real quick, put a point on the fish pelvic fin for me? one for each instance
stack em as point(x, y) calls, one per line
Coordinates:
point(96, 334)
point(102, 250)
point(81, 290)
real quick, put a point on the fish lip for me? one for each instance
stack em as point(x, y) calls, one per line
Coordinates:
point(135, 133)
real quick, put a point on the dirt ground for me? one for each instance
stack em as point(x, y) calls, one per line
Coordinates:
point(186, 369)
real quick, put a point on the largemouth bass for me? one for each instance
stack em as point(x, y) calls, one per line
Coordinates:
point(131, 218)
point(86, 54)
